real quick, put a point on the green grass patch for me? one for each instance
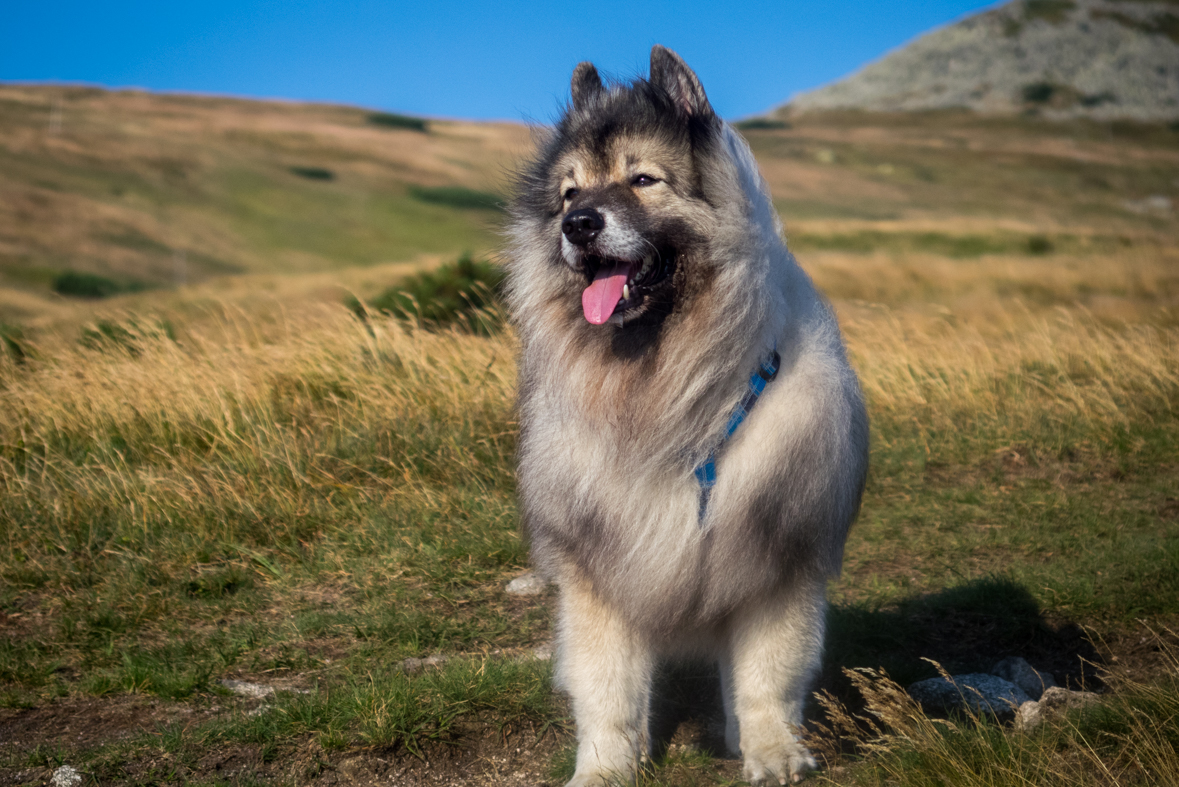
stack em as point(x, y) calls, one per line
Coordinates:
point(394, 120)
point(934, 243)
point(77, 284)
point(389, 708)
point(313, 173)
point(792, 209)
point(867, 241)
point(459, 197)
point(351, 223)
point(761, 124)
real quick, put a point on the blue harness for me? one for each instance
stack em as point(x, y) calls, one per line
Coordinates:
point(706, 470)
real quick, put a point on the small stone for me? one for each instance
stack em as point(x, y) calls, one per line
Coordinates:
point(256, 691)
point(1054, 702)
point(412, 665)
point(1022, 674)
point(65, 776)
point(1155, 203)
point(543, 652)
point(1029, 716)
point(977, 691)
point(528, 584)
point(243, 688)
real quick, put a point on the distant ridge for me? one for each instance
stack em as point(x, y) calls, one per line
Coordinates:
point(1104, 59)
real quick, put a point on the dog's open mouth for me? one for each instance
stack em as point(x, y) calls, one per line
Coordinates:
point(618, 286)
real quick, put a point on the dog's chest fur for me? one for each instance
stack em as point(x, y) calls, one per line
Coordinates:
point(609, 493)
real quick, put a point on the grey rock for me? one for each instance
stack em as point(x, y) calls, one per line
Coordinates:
point(243, 688)
point(65, 776)
point(1054, 701)
point(1022, 674)
point(1102, 59)
point(256, 691)
point(1155, 203)
point(412, 665)
point(543, 652)
point(979, 692)
point(527, 585)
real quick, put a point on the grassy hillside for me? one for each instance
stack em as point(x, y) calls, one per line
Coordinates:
point(241, 479)
point(159, 191)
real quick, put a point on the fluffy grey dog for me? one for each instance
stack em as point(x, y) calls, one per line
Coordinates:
point(693, 442)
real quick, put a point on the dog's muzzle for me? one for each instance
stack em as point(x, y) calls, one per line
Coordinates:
point(582, 226)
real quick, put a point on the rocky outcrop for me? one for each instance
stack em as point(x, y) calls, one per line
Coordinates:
point(1060, 58)
point(1012, 691)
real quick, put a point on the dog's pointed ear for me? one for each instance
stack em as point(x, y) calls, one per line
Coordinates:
point(585, 85)
point(671, 73)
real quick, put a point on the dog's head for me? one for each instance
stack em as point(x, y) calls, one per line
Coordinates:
point(619, 197)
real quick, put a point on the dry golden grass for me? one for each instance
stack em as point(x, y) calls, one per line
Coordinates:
point(278, 395)
point(271, 395)
point(1126, 286)
point(1059, 366)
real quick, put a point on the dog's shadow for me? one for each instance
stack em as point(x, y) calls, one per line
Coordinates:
point(967, 628)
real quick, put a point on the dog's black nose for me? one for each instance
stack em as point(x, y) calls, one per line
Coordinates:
point(582, 226)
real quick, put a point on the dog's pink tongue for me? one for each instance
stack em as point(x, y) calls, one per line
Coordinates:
point(599, 299)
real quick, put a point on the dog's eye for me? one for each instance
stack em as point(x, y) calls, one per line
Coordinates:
point(570, 194)
point(644, 180)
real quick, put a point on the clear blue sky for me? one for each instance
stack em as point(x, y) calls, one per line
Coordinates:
point(505, 60)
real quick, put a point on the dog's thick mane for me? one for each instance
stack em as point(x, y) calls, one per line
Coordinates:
point(614, 419)
point(681, 379)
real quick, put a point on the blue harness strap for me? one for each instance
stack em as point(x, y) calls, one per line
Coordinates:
point(706, 470)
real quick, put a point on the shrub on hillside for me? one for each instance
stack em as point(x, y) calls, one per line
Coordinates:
point(393, 120)
point(465, 293)
point(91, 285)
point(457, 197)
point(761, 124)
point(314, 173)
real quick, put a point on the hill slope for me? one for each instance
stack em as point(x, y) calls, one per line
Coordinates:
point(1064, 58)
point(232, 197)
point(149, 190)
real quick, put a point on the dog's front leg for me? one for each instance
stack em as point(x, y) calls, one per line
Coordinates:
point(775, 652)
point(606, 668)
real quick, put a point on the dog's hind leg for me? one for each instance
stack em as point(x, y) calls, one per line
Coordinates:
point(775, 649)
point(606, 668)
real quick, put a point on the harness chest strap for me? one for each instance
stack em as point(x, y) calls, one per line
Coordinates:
point(706, 470)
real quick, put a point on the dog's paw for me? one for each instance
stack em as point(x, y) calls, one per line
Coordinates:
point(778, 765)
